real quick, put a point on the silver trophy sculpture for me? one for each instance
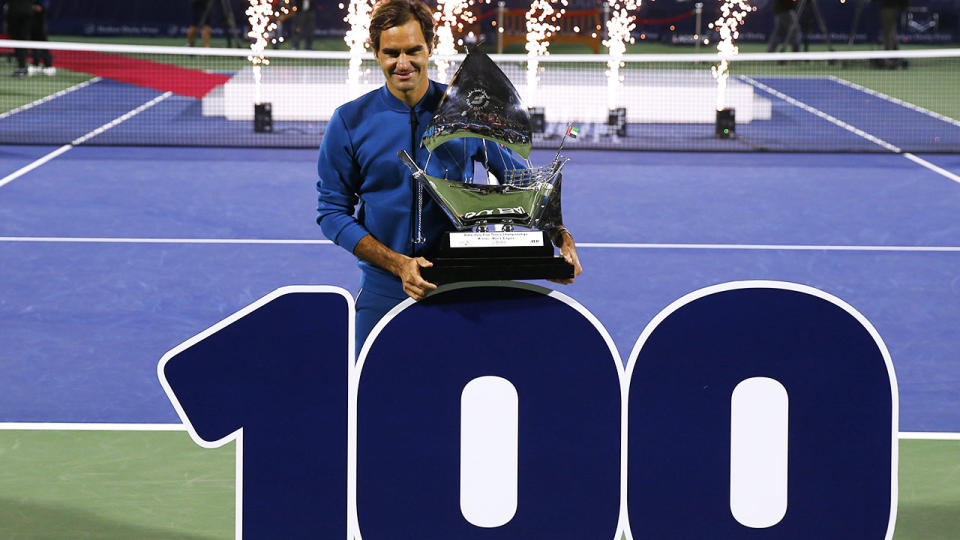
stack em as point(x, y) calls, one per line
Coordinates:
point(487, 245)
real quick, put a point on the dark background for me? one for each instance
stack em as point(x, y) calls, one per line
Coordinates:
point(171, 17)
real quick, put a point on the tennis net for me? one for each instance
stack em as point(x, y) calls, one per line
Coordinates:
point(875, 101)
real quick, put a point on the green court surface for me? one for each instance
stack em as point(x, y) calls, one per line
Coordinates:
point(114, 484)
point(159, 484)
point(929, 490)
point(19, 92)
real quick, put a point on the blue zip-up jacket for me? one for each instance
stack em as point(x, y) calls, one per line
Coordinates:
point(365, 189)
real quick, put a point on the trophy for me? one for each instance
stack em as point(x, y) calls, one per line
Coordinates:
point(502, 229)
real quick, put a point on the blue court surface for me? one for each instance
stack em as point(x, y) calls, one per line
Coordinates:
point(109, 256)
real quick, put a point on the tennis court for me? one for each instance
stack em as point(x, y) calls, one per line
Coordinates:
point(112, 255)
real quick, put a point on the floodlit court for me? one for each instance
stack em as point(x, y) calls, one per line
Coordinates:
point(134, 215)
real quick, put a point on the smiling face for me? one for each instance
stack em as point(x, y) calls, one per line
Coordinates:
point(403, 57)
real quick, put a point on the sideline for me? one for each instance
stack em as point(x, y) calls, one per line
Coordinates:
point(82, 139)
point(589, 245)
point(45, 99)
point(851, 128)
point(79, 426)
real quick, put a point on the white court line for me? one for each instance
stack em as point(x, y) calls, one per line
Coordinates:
point(932, 167)
point(80, 140)
point(852, 129)
point(766, 247)
point(43, 100)
point(24, 170)
point(123, 118)
point(160, 240)
point(817, 112)
point(596, 245)
point(891, 99)
point(930, 436)
point(80, 426)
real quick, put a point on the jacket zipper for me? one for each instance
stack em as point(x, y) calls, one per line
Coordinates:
point(413, 184)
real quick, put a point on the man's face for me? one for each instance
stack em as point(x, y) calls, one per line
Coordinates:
point(403, 57)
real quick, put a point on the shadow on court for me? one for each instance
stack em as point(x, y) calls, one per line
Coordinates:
point(26, 519)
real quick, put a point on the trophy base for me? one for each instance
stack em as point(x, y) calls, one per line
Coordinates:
point(495, 256)
point(500, 269)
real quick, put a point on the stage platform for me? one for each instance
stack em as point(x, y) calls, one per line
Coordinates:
point(650, 96)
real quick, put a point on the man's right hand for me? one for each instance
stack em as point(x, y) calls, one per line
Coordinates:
point(413, 283)
point(406, 268)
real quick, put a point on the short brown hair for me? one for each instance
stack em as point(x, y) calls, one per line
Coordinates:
point(390, 13)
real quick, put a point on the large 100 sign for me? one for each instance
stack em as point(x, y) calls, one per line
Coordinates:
point(746, 410)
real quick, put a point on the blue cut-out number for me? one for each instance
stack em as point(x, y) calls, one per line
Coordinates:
point(279, 373)
point(565, 371)
point(841, 452)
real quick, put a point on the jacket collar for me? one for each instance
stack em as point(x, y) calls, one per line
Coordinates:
point(428, 102)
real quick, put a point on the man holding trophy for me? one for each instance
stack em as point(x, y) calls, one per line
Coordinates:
point(372, 203)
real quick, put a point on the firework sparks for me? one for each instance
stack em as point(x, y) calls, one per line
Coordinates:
point(541, 24)
point(619, 28)
point(262, 23)
point(732, 13)
point(450, 14)
point(358, 17)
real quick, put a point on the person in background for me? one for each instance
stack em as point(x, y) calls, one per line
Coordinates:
point(42, 59)
point(304, 23)
point(784, 20)
point(807, 18)
point(18, 20)
point(889, 15)
point(199, 15)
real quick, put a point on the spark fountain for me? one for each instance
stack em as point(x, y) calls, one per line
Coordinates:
point(358, 17)
point(263, 23)
point(541, 25)
point(619, 27)
point(449, 14)
point(260, 15)
point(732, 13)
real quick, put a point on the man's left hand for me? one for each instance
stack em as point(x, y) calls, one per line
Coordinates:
point(569, 251)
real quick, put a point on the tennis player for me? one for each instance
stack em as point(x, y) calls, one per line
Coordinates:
point(367, 197)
